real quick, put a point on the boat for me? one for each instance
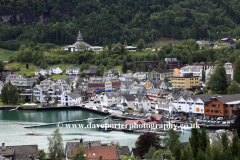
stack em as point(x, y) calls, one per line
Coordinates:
point(90, 120)
point(30, 133)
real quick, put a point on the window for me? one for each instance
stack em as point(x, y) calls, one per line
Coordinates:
point(220, 111)
point(216, 111)
point(213, 105)
point(215, 100)
point(211, 111)
point(218, 105)
point(207, 110)
point(226, 111)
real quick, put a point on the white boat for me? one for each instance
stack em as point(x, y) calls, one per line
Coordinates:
point(90, 120)
point(30, 133)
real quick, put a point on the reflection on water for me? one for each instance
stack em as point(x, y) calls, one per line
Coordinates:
point(13, 133)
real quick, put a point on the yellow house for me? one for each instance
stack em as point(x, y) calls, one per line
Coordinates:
point(185, 82)
point(176, 72)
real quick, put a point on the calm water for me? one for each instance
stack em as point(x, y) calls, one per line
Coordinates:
point(13, 133)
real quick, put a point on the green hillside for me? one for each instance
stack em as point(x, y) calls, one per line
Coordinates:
point(5, 54)
point(107, 21)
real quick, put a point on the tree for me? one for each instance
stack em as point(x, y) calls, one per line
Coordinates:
point(161, 65)
point(55, 146)
point(125, 67)
point(217, 80)
point(116, 74)
point(82, 74)
point(232, 41)
point(236, 72)
point(194, 141)
point(165, 79)
point(234, 88)
point(134, 69)
point(81, 46)
point(79, 154)
point(136, 79)
point(72, 88)
point(43, 65)
point(161, 54)
point(203, 74)
point(23, 99)
point(237, 45)
point(203, 139)
point(1, 66)
point(41, 154)
point(145, 141)
point(140, 44)
point(224, 141)
point(26, 66)
point(98, 72)
point(109, 47)
point(9, 94)
point(172, 139)
point(150, 68)
point(56, 101)
point(177, 151)
point(125, 43)
point(234, 145)
point(77, 85)
point(150, 153)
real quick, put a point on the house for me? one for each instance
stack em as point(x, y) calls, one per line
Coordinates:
point(90, 93)
point(18, 152)
point(49, 88)
point(25, 82)
point(107, 83)
point(90, 72)
point(71, 145)
point(4, 75)
point(73, 70)
point(156, 84)
point(176, 72)
point(128, 100)
point(222, 106)
point(72, 80)
point(158, 118)
point(94, 68)
point(163, 106)
point(225, 40)
point(186, 81)
point(61, 81)
point(155, 94)
point(71, 99)
point(123, 151)
point(54, 70)
point(141, 76)
point(99, 152)
point(130, 48)
point(111, 98)
point(160, 74)
point(111, 72)
point(172, 63)
point(177, 93)
point(12, 77)
point(142, 102)
point(40, 71)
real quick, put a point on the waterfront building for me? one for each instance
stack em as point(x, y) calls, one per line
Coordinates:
point(222, 106)
point(179, 92)
point(186, 81)
point(111, 98)
point(155, 94)
point(142, 102)
point(71, 99)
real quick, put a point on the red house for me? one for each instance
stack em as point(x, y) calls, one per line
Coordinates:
point(90, 93)
point(155, 94)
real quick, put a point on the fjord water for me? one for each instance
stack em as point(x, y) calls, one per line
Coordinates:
point(12, 131)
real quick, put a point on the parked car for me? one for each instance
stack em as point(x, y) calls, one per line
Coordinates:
point(177, 118)
point(224, 122)
point(220, 118)
point(208, 122)
point(219, 122)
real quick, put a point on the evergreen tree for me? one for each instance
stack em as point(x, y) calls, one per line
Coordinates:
point(56, 101)
point(194, 141)
point(234, 88)
point(200, 155)
point(161, 65)
point(236, 72)
point(204, 140)
point(150, 153)
point(234, 145)
point(177, 151)
point(224, 141)
point(77, 85)
point(125, 67)
point(171, 140)
point(109, 46)
point(140, 44)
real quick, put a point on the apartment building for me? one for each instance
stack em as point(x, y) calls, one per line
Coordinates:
point(186, 81)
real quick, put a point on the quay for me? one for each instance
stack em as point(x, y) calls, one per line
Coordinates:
point(215, 126)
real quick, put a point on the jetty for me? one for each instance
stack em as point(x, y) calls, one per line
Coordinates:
point(65, 122)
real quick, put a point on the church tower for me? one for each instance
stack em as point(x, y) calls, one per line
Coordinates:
point(79, 38)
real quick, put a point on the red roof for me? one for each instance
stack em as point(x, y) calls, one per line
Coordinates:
point(157, 117)
point(134, 121)
point(7, 69)
point(107, 152)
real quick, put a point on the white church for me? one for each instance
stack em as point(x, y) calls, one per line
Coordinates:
point(76, 46)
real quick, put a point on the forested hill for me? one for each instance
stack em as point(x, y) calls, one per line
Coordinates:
point(110, 21)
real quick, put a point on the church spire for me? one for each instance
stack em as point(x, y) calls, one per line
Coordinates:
point(79, 38)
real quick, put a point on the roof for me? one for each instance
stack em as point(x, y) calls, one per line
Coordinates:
point(129, 97)
point(229, 98)
point(113, 94)
point(184, 93)
point(123, 151)
point(90, 90)
point(23, 151)
point(157, 91)
point(3, 158)
point(157, 117)
point(93, 68)
point(107, 152)
point(163, 70)
point(71, 145)
point(74, 95)
point(134, 121)
point(7, 69)
point(73, 67)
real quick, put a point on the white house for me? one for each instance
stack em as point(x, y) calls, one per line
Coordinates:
point(12, 77)
point(111, 98)
point(48, 88)
point(71, 99)
point(54, 70)
point(73, 70)
point(140, 75)
point(111, 72)
point(40, 71)
point(128, 100)
point(142, 102)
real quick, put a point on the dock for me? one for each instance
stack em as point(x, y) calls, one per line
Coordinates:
point(215, 126)
point(65, 122)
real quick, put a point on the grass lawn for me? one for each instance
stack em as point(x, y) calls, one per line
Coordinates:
point(22, 66)
point(5, 54)
point(57, 76)
point(19, 104)
point(164, 40)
